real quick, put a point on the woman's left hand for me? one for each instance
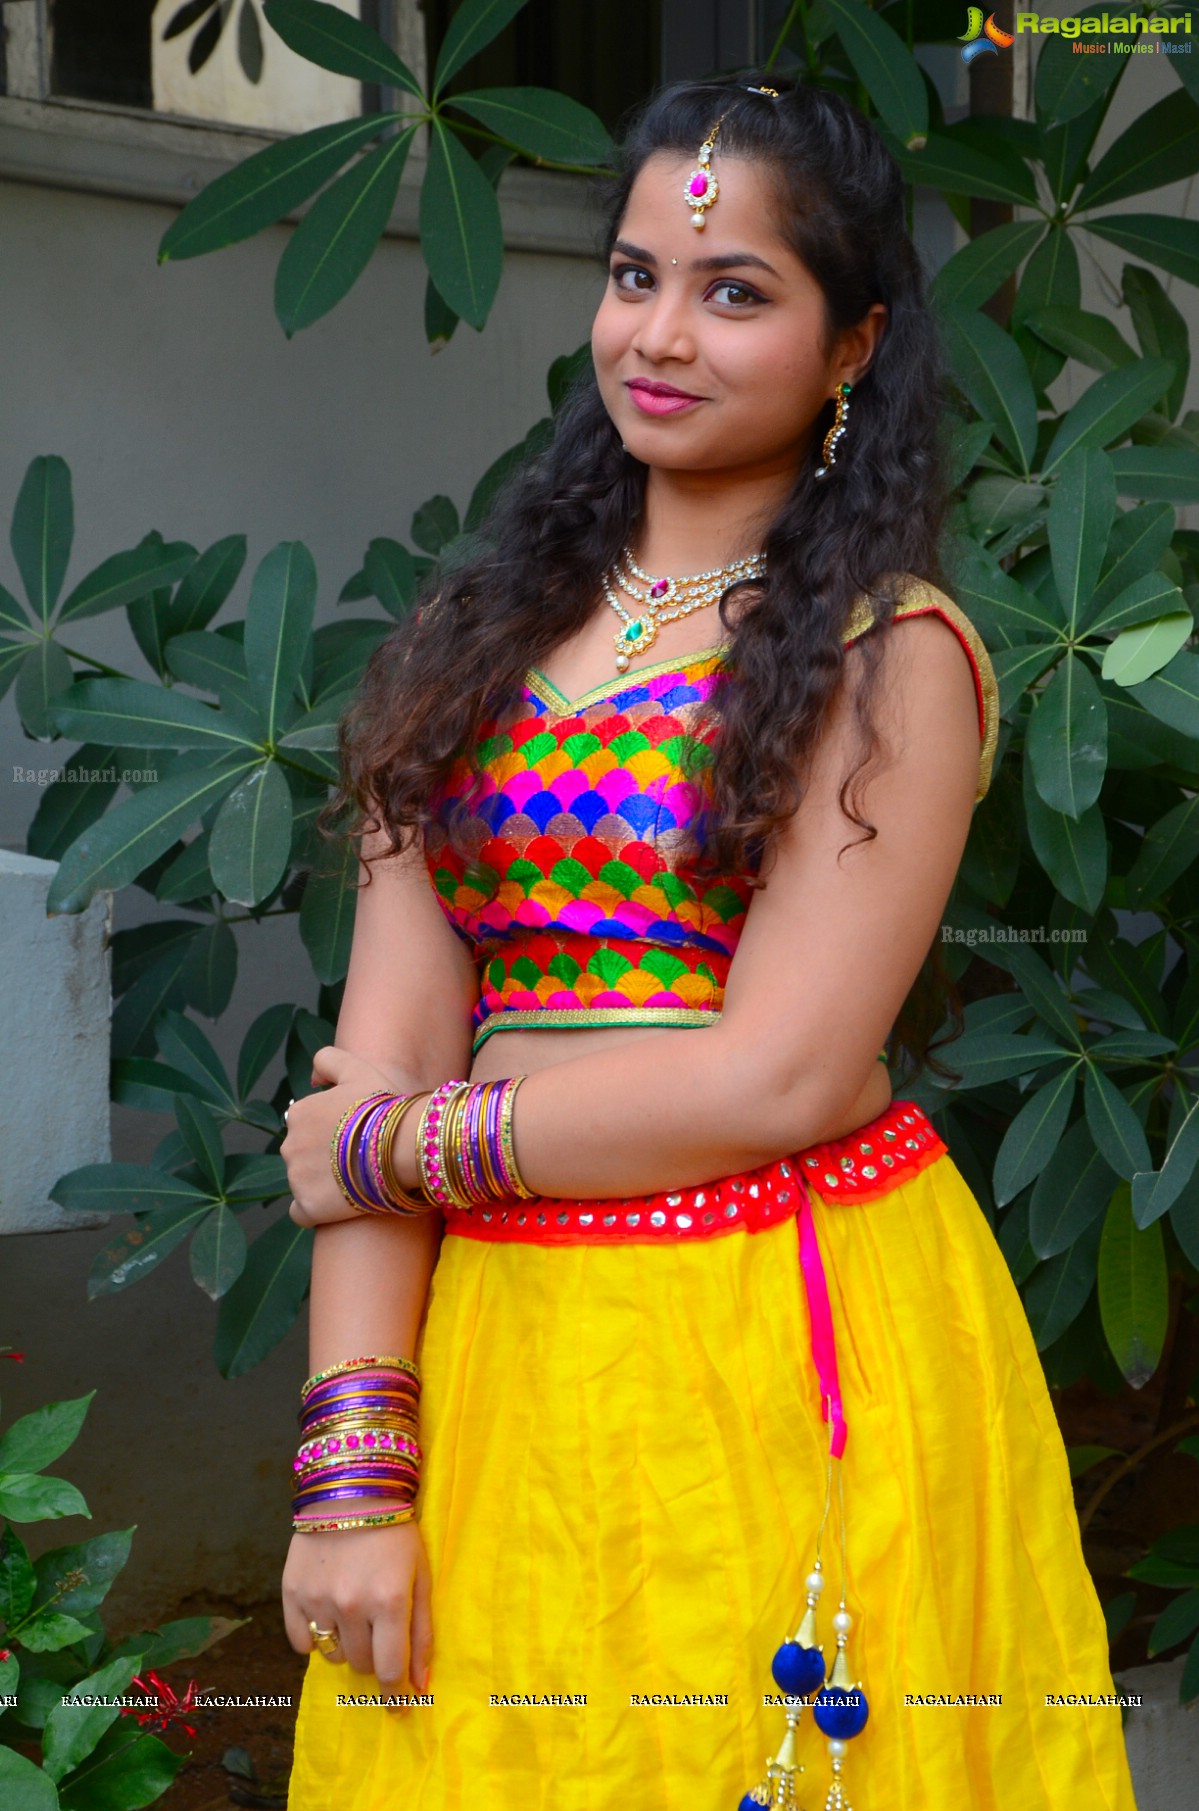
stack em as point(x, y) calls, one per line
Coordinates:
point(341, 1079)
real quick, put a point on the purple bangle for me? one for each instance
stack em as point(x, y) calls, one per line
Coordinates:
point(366, 1146)
point(346, 1143)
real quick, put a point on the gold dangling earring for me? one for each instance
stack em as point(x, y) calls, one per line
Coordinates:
point(835, 432)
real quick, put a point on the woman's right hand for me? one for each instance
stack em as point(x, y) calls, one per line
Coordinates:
point(373, 1586)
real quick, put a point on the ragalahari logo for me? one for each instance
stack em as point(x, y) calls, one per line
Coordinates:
point(986, 40)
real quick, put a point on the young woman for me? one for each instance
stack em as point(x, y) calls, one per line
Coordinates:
point(661, 802)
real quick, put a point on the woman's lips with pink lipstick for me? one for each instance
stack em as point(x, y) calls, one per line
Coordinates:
point(659, 399)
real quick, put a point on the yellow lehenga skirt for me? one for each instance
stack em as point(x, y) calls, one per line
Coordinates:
point(624, 1474)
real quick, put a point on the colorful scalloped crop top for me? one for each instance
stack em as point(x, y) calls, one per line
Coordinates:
point(572, 897)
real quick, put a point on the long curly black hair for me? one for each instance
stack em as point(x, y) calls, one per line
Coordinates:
point(460, 660)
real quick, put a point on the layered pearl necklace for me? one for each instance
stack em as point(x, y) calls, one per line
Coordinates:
point(660, 600)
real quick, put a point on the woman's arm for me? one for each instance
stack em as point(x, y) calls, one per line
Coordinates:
point(406, 1009)
point(830, 950)
point(410, 989)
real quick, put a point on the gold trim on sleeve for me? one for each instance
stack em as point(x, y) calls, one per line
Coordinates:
point(919, 596)
point(582, 1018)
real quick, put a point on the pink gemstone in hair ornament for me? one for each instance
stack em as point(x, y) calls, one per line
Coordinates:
point(702, 187)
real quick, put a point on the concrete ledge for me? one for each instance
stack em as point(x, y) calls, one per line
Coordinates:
point(55, 1013)
point(1161, 1735)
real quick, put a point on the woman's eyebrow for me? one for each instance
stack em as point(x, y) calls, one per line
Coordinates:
point(722, 261)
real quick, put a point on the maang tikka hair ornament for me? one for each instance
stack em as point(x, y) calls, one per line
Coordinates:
point(702, 187)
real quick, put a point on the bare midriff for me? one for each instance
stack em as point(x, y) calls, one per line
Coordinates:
point(524, 1052)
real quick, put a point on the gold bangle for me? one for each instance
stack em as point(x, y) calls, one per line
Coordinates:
point(385, 1518)
point(522, 1188)
point(406, 1203)
point(355, 1364)
point(453, 1131)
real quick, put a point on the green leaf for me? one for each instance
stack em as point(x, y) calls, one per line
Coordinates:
point(73, 1730)
point(126, 577)
point(12, 614)
point(991, 371)
point(24, 1786)
point(886, 68)
point(1168, 850)
point(391, 575)
point(332, 245)
point(1114, 1126)
point(1154, 1193)
point(460, 231)
point(1160, 147)
point(1067, 85)
point(38, 1438)
point(1138, 653)
point(1093, 339)
point(265, 186)
point(1083, 1458)
point(334, 39)
point(18, 1580)
point(202, 1136)
point(32, 1497)
point(132, 1255)
point(1073, 852)
point(547, 126)
point(43, 527)
point(137, 1082)
point(1058, 1290)
point(473, 25)
point(278, 627)
point(92, 1565)
point(182, 1042)
point(133, 713)
point(1177, 1622)
point(1004, 610)
point(1133, 1290)
point(957, 168)
point(218, 1252)
point(1157, 471)
point(1160, 327)
point(261, 1177)
point(1067, 739)
point(1173, 694)
point(121, 1188)
point(251, 836)
point(261, 1043)
point(44, 677)
point(327, 912)
point(264, 1301)
point(1071, 1192)
point(114, 851)
point(128, 1768)
point(1146, 600)
point(1107, 410)
point(987, 1057)
point(1160, 239)
point(1081, 511)
point(204, 589)
point(1033, 1136)
point(435, 524)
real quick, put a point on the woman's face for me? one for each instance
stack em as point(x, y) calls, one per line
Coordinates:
point(707, 345)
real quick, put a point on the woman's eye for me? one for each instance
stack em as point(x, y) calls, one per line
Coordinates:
point(736, 295)
point(633, 277)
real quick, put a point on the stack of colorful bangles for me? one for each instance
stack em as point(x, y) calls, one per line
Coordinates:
point(358, 1422)
point(463, 1142)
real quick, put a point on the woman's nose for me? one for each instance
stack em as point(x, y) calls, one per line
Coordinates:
point(664, 329)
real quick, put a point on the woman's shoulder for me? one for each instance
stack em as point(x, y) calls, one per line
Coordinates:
point(920, 597)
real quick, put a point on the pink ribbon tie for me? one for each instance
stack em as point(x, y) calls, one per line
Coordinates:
point(824, 1348)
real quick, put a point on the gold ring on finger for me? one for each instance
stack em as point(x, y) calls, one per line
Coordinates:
point(326, 1641)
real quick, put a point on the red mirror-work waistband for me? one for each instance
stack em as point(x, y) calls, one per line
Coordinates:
point(859, 1168)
